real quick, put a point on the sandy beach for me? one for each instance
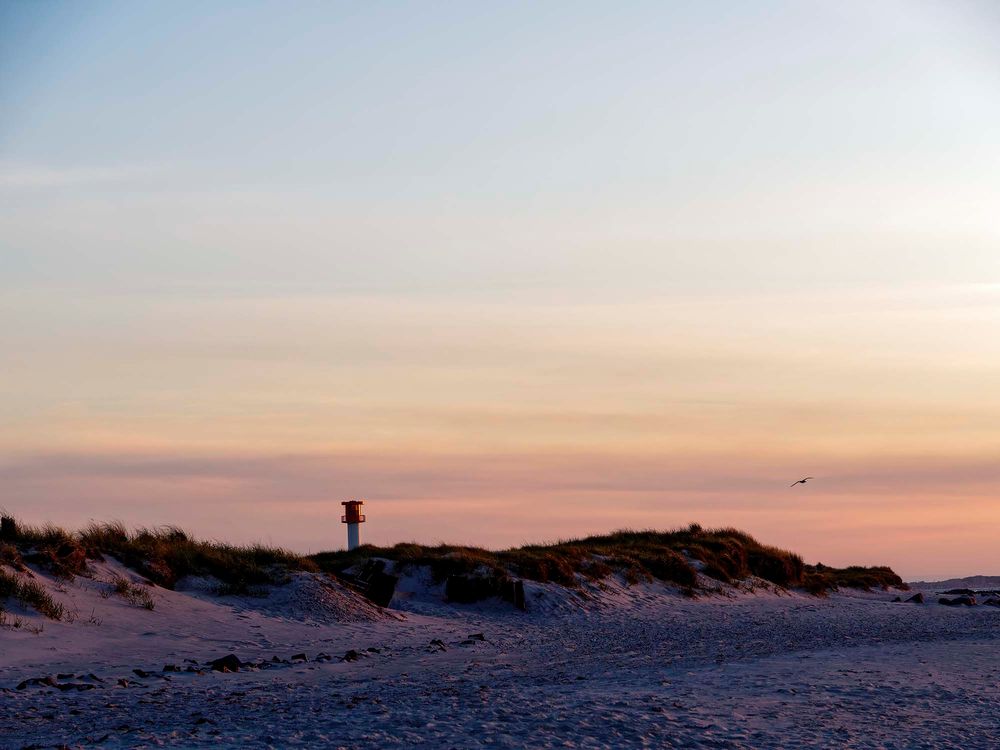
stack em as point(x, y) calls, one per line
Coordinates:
point(463, 375)
point(630, 666)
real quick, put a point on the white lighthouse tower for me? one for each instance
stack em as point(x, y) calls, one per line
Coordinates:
point(353, 518)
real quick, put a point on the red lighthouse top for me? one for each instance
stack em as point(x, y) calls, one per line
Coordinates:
point(352, 511)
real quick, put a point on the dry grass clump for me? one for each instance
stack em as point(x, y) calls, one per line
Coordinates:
point(29, 593)
point(11, 557)
point(674, 557)
point(166, 554)
point(134, 593)
point(51, 548)
point(821, 578)
point(163, 555)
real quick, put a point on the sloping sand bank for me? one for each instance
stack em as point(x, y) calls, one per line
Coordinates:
point(751, 671)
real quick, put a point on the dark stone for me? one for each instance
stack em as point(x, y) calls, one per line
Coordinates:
point(46, 681)
point(966, 592)
point(324, 657)
point(897, 599)
point(374, 650)
point(226, 664)
point(352, 655)
point(917, 598)
point(123, 682)
point(477, 637)
point(299, 657)
point(78, 686)
point(958, 601)
point(437, 645)
point(171, 668)
point(140, 672)
point(65, 676)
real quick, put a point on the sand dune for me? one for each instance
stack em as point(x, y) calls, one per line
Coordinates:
point(751, 666)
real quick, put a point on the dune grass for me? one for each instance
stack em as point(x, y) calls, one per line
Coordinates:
point(824, 578)
point(166, 554)
point(163, 555)
point(29, 593)
point(675, 557)
point(134, 593)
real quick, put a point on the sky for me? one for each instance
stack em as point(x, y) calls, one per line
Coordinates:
point(510, 272)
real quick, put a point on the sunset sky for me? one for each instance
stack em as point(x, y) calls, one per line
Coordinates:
point(510, 272)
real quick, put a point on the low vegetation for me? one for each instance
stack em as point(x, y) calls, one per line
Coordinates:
point(167, 554)
point(821, 578)
point(162, 555)
point(135, 593)
point(28, 593)
point(683, 557)
point(675, 557)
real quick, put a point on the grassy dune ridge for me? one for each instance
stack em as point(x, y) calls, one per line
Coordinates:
point(675, 557)
point(162, 555)
point(166, 554)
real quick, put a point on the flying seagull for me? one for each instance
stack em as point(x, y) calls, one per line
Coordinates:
point(801, 481)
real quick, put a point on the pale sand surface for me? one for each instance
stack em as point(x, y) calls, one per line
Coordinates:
point(637, 667)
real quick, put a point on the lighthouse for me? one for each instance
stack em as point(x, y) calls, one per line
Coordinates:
point(353, 517)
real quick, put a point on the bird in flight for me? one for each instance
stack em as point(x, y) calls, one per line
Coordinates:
point(801, 481)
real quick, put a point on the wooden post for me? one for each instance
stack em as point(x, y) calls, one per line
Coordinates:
point(507, 590)
point(8, 529)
